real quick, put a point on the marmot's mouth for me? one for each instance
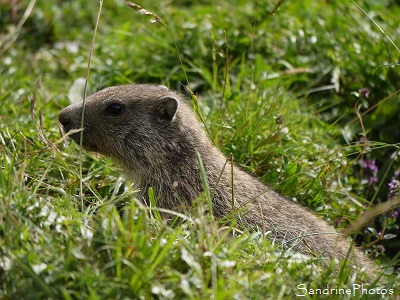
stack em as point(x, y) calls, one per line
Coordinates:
point(76, 137)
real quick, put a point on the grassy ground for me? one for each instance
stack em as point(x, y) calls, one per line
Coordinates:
point(306, 99)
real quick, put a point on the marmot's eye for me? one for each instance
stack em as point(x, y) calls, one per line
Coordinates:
point(114, 109)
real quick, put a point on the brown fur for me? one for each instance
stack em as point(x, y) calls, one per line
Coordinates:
point(154, 138)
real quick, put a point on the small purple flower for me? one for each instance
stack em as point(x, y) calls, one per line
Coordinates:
point(397, 173)
point(369, 164)
point(394, 188)
point(370, 169)
point(365, 92)
point(396, 213)
point(394, 184)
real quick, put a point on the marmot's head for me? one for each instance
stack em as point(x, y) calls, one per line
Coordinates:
point(134, 124)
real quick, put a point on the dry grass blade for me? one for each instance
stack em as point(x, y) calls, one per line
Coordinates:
point(277, 7)
point(157, 19)
point(372, 213)
point(145, 12)
point(65, 136)
point(133, 5)
point(377, 25)
point(12, 37)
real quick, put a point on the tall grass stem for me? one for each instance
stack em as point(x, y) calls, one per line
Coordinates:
point(84, 101)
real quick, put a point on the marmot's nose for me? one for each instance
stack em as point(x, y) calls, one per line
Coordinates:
point(70, 117)
point(64, 119)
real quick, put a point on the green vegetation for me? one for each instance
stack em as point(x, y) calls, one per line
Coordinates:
point(306, 99)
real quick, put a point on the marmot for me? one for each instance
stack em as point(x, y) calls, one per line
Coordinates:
point(154, 134)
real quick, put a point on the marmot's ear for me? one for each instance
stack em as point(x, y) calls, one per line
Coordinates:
point(166, 109)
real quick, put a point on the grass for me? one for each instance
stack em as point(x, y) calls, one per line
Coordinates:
point(278, 93)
